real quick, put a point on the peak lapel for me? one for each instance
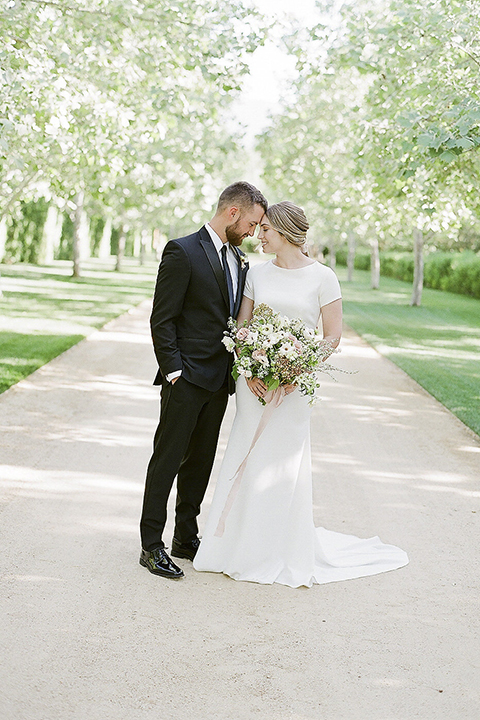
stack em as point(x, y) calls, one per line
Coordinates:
point(214, 260)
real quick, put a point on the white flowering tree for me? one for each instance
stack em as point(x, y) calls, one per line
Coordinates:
point(116, 102)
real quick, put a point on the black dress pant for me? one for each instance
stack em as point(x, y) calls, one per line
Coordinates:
point(184, 446)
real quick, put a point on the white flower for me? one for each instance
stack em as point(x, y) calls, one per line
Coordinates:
point(287, 349)
point(244, 371)
point(276, 337)
point(229, 344)
point(268, 342)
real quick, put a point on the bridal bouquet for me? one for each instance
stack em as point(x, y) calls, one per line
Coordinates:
point(278, 350)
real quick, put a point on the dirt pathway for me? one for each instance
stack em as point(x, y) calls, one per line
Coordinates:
point(89, 634)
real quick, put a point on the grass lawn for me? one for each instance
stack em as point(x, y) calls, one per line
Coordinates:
point(437, 344)
point(44, 311)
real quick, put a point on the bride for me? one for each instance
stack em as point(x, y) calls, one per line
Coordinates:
point(267, 529)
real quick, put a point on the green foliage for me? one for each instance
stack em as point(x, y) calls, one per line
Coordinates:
point(397, 265)
point(436, 344)
point(453, 272)
point(122, 101)
point(461, 275)
point(382, 131)
point(422, 64)
point(362, 259)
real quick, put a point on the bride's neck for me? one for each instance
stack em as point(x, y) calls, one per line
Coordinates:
point(292, 258)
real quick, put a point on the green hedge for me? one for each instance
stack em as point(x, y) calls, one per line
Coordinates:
point(457, 272)
point(362, 259)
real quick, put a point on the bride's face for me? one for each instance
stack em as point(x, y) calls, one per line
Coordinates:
point(272, 241)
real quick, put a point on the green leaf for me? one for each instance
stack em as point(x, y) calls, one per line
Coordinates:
point(464, 143)
point(426, 140)
point(448, 156)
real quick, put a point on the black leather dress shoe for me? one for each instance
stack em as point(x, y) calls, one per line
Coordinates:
point(158, 562)
point(185, 550)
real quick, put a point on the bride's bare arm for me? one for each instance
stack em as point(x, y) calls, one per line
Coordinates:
point(245, 312)
point(332, 322)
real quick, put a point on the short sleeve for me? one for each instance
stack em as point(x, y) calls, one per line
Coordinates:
point(248, 289)
point(329, 287)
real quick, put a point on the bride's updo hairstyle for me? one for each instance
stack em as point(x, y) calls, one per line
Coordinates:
point(290, 221)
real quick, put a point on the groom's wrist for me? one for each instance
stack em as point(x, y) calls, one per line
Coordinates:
point(173, 375)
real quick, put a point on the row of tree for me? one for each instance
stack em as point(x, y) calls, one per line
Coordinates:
point(114, 110)
point(380, 142)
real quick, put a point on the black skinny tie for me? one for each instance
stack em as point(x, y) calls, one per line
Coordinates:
point(228, 278)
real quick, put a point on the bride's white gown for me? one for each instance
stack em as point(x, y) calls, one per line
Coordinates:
point(269, 533)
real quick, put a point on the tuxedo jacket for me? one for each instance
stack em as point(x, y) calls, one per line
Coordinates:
point(191, 309)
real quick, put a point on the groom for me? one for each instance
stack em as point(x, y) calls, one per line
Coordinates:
point(199, 285)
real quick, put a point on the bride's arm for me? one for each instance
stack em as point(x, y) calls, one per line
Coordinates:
point(332, 322)
point(245, 312)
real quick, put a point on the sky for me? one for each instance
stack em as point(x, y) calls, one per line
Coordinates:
point(270, 67)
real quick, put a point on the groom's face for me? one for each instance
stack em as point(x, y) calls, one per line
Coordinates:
point(244, 224)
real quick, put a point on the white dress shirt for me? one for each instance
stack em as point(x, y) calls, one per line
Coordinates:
point(233, 266)
point(231, 256)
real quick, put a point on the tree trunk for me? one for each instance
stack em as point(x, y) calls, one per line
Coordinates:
point(85, 245)
point(51, 235)
point(418, 242)
point(137, 242)
point(122, 238)
point(350, 256)
point(3, 241)
point(105, 249)
point(375, 264)
point(145, 244)
point(332, 255)
point(3, 236)
point(77, 234)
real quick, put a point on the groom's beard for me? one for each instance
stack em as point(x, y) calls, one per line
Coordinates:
point(233, 235)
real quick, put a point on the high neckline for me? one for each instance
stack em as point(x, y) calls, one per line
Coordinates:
point(302, 267)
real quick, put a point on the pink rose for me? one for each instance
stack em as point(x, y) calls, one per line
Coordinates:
point(259, 354)
point(242, 333)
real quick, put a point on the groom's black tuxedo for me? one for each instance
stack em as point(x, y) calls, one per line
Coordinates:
point(190, 311)
point(189, 316)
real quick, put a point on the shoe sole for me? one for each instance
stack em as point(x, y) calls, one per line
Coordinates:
point(159, 572)
point(180, 554)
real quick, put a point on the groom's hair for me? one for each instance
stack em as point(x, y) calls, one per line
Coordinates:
point(242, 194)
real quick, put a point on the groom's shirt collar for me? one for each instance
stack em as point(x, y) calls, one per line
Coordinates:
point(231, 255)
point(215, 238)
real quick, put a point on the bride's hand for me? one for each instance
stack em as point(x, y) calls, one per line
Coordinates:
point(257, 386)
point(289, 389)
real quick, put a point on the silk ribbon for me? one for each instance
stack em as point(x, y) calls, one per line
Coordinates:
point(273, 399)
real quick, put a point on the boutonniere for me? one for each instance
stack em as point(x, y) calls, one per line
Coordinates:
point(243, 262)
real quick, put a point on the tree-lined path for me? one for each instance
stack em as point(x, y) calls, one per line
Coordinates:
point(88, 633)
